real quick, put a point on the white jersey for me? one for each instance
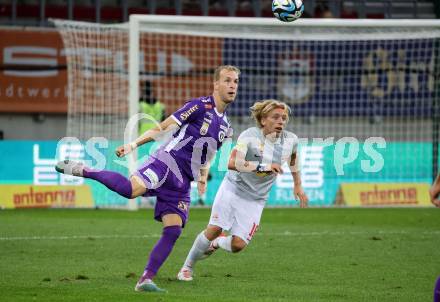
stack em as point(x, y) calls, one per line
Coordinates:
point(256, 186)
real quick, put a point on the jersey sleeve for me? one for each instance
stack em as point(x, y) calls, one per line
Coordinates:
point(191, 111)
point(244, 141)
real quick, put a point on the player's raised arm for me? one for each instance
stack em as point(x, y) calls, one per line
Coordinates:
point(167, 125)
point(298, 190)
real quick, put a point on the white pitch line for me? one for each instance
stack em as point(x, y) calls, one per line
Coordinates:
point(77, 237)
point(285, 233)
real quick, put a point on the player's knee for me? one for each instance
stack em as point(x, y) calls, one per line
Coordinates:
point(172, 232)
point(212, 232)
point(137, 187)
point(237, 244)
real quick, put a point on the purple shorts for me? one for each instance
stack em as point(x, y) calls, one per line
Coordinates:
point(172, 192)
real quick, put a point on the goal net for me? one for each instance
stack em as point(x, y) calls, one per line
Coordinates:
point(364, 93)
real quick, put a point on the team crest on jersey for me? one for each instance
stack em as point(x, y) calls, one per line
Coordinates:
point(221, 135)
point(204, 128)
point(182, 205)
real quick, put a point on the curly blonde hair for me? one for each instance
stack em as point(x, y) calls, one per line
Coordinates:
point(262, 108)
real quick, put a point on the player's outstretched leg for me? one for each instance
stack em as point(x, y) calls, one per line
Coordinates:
point(112, 180)
point(70, 167)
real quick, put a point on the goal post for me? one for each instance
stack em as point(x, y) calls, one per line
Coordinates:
point(346, 80)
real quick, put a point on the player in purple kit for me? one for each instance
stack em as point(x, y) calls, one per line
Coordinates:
point(202, 126)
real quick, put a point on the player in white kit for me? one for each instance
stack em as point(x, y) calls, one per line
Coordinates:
point(253, 167)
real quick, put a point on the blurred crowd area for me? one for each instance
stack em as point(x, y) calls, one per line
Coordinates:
point(36, 12)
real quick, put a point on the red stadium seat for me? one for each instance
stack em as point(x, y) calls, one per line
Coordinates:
point(192, 12)
point(56, 11)
point(349, 15)
point(5, 10)
point(81, 12)
point(244, 13)
point(111, 13)
point(165, 11)
point(28, 11)
point(375, 16)
point(218, 12)
point(138, 10)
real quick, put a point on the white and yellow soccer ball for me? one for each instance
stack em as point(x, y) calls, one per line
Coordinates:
point(287, 10)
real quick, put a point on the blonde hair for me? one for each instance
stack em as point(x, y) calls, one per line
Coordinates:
point(224, 67)
point(261, 110)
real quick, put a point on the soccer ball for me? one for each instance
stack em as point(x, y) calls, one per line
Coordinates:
point(287, 10)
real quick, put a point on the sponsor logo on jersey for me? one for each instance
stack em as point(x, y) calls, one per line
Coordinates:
point(206, 100)
point(152, 177)
point(186, 114)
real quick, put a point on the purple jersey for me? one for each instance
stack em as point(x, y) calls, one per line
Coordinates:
point(168, 172)
point(202, 131)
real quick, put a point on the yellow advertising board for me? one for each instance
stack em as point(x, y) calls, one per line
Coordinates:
point(42, 196)
point(383, 194)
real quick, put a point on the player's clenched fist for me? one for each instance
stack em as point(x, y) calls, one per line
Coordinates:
point(123, 150)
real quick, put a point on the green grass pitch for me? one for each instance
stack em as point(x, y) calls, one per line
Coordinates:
point(296, 255)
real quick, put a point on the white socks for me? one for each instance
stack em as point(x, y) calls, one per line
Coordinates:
point(225, 243)
point(197, 250)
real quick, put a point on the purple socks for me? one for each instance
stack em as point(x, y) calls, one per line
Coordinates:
point(112, 180)
point(162, 250)
point(437, 290)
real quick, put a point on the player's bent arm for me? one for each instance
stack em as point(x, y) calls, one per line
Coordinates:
point(167, 125)
point(238, 163)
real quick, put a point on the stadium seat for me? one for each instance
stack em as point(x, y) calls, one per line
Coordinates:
point(5, 11)
point(138, 10)
point(85, 13)
point(165, 11)
point(244, 13)
point(218, 12)
point(111, 14)
point(28, 11)
point(375, 16)
point(349, 15)
point(196, 11)
point(56, 11)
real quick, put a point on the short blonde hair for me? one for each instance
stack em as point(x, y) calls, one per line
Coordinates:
point(262, 108)
point(225, 67)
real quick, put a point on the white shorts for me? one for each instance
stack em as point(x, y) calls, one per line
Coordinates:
point(239, 216)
